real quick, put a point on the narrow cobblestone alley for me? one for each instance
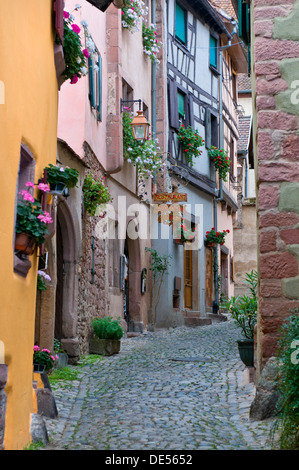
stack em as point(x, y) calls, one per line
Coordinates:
point(180, 389)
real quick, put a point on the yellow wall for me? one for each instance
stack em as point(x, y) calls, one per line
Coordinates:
point(29, 115)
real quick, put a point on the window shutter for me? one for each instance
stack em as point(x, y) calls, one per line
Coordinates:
point(173, 105)
point(208, 129)
point(59, 23)
point(191, 111)
point(91, 82)
point(180, 23)
point(100, 89)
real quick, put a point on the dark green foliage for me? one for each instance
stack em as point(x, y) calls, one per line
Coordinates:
point(107, 328)
point(288, 353)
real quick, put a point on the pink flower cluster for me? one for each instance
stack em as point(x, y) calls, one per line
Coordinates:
point(45, 217)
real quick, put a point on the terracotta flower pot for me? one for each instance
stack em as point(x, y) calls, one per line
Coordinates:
point(24, 244)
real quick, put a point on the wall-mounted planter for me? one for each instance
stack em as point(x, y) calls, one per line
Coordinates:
point(24, 244)
point(104, 347)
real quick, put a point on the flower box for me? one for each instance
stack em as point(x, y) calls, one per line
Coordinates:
point(104, 347)
point(24, 243)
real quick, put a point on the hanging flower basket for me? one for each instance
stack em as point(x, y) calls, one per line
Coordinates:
point(214, 237)
point(61, 178)
point(221, 161)
point(191, 142)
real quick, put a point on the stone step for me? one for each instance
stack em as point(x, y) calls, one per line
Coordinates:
point(193, 318)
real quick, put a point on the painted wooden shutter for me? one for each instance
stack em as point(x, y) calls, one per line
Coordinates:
point(180, 23)
point(91, 82)
point(99, 103)
point(173, 105)
point(208, 129)
point(213, 52)
point(59, 23)
point(191, 111)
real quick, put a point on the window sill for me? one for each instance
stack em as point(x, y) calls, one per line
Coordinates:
point(214, 70)
point(22, 266)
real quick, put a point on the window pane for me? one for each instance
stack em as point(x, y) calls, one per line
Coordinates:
point(181, 105)
point(180, 23)
point(213, 51)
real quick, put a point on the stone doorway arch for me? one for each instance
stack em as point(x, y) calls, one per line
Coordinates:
point(65, 326)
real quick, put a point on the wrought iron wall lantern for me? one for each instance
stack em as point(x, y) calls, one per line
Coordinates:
point(140, 125)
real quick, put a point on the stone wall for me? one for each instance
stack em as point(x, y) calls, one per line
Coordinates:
point(275, 50)
point(92, 289)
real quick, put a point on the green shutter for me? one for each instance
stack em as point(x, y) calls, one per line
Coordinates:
point(213, 51)
point(181, 105)
point(180, 23)
point(91, 82)
point(99, 104)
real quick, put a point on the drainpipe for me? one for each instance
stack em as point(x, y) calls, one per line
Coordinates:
point(154, 90)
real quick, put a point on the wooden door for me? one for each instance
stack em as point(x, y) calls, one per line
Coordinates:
point(209, 277)
point(188, 278)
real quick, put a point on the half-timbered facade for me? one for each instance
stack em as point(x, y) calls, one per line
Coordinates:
point(201, 80)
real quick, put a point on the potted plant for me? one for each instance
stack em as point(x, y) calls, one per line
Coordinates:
point(214, 237)
point(95, 193)
point(191, 142)
point(107, 334)
point(42, 277)
point(43, 360)
point(59, 178)
point(31, 224)
point(221, 161)
point(61, 355)
point(243, 310)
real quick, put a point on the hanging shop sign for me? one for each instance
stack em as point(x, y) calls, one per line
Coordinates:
point(173, 197)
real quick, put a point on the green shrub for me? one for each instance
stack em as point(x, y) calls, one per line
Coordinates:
point(288, 352)
point(107, 328)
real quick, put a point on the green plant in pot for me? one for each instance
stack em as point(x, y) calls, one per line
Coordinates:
point(243, 310)
point(107, 333)
point(59, 178)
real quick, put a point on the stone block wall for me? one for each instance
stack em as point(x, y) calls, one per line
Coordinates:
point(275, 57)
point(92, 298)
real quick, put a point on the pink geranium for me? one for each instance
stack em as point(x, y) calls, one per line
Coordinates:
point(74, 79)
point(27, 196)
point(76, 28)
point(85, 53)
point(45, 217)
point(29, 184)
point(43, 187)
point(66, 14)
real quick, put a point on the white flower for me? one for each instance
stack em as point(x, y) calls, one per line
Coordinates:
point(84, 70)
point(78, 6)
point(96, 68)
point(84, 23)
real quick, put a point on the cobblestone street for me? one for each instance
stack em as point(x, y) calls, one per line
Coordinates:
point(181, 389)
